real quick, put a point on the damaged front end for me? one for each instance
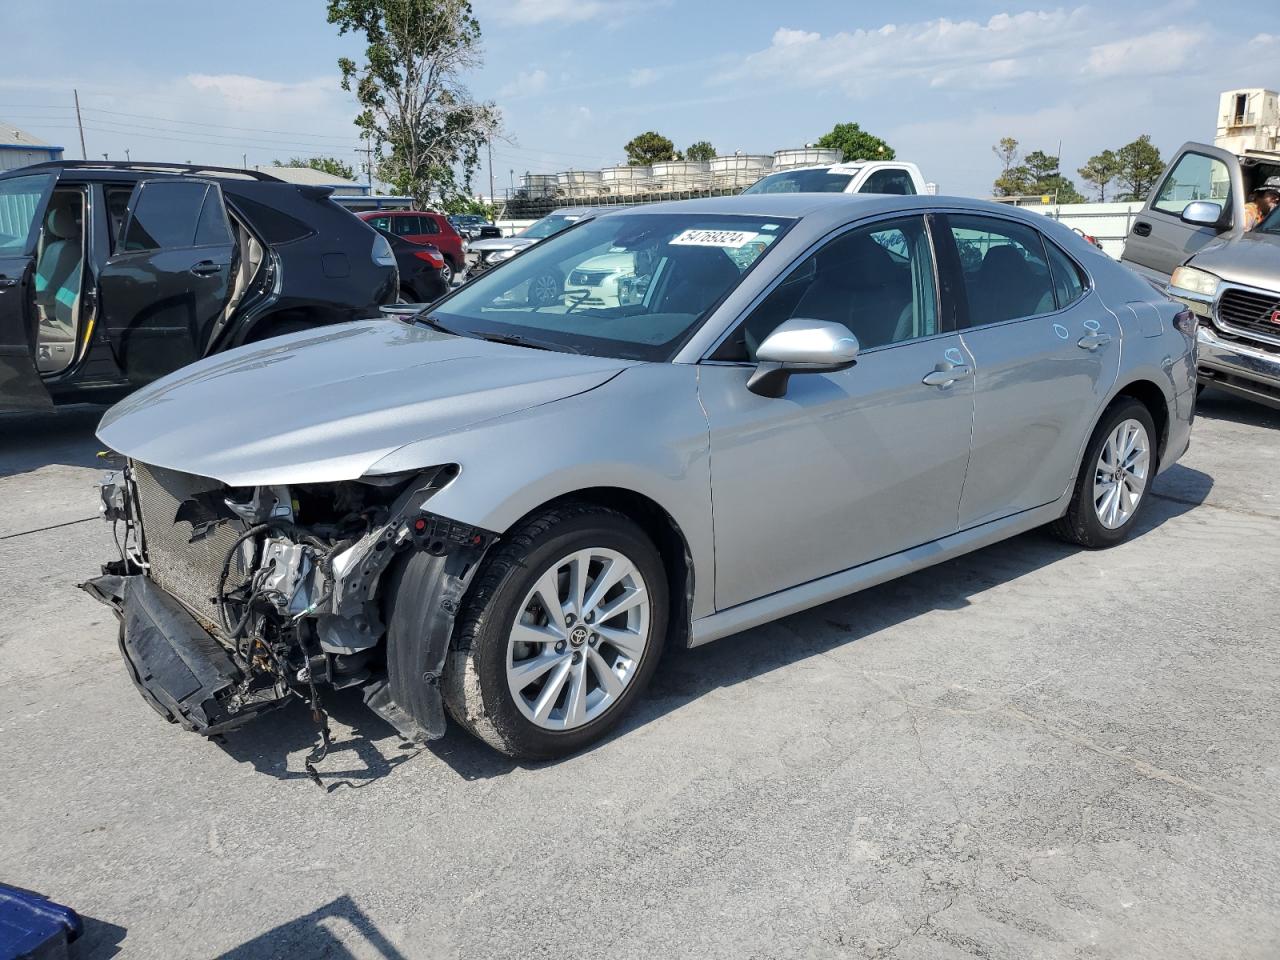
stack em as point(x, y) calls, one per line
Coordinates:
point(232, 600)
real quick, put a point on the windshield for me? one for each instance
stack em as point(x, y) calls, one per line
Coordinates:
point(629, 285)
point(548, 226)
point(802, 181)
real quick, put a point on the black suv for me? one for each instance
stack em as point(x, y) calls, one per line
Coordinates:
point(112, 275)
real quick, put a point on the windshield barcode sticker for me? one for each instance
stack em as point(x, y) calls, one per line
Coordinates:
point(733, 239)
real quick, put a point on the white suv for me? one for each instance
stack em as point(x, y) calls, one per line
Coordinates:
point(859, 176)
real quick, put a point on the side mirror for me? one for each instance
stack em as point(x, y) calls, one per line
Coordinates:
point(801, 345)
point(1202, 213)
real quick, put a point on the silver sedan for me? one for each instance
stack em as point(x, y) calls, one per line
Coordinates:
point(503, 509)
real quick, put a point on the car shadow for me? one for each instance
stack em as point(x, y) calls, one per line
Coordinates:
point(337, 930)
point(1220, 405)
point(686, 675)
point(29, 441)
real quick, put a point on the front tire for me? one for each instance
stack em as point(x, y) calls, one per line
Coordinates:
point(1114, 478)
point(559, 634)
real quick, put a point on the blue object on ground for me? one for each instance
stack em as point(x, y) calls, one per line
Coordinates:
point(33, 927)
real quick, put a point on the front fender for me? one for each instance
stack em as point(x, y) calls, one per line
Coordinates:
point(644, 432)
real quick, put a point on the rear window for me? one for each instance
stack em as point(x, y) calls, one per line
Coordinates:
point(271, 224)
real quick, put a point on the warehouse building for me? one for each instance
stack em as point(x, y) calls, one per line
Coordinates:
point(19, 148)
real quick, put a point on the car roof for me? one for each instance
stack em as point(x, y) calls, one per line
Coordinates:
point(831, 208)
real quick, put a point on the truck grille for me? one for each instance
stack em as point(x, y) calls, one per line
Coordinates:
point(185, 569)
point(1250, 312)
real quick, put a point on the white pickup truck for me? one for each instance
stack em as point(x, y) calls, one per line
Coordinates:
point(856, 176)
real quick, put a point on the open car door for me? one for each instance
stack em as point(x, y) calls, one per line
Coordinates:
point(170, 278)
point(22, 205)
point(1160, 241)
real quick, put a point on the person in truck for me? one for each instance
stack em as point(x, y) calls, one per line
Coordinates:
point(1261, 202)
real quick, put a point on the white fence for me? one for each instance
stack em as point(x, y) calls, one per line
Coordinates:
point(1108, 223)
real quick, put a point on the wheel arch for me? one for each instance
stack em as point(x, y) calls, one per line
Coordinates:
point(1149, 394)
point(660, 527)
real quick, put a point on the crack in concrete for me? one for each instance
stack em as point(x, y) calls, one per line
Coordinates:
point(52, 526)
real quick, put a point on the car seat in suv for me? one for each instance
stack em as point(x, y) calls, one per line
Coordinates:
point(59, 271)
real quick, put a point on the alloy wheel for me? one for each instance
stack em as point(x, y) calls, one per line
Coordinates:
point(544, 290)
point(578, 639)
point(1121, 475)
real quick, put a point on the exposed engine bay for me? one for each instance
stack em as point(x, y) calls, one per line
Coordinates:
point(232, 600)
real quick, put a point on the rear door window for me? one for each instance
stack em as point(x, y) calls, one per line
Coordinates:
point(1069, 282)
point(1194, 177)
point(165, 215)
point(427, 224)
point(1006, 273)
point(889, 181)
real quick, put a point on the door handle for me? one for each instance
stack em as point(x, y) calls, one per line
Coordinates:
point(6, 282)
point(1093, 341)
point(206, 268)
point(1142, 228)
point(946, 376)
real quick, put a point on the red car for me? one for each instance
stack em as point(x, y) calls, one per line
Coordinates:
point(422, 226)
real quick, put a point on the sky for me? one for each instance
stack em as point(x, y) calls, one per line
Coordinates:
point(576, 79)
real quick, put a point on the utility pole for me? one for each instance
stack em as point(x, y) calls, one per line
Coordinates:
point(84, 154)
point(127, 158)
point(244, 161)
point(368, 162)
point(491, 191)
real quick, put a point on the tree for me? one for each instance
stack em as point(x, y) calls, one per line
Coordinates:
point(412, 100)
point(855, 143)
point(1047, 180)
point(1138, 166)
point(702, 150)
point(649, 147)
point(1015, 180)
point(465, 204)
point(330, 165)
point(1100, 170)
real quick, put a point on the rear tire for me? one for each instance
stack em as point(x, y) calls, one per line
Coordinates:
point(1114, 480)
point(536, 682)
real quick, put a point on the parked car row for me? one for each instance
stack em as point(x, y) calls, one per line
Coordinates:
point(112, 275)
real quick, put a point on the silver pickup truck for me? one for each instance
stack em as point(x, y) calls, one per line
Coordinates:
point(1190, 235)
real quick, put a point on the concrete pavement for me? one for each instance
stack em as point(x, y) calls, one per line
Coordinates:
point(1033, 751)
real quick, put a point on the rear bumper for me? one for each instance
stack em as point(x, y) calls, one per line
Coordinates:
point(1237, 366)
point(179, 669)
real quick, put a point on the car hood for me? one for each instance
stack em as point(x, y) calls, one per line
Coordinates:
point(504, 243)
point(1252, 259)
point(326, 405)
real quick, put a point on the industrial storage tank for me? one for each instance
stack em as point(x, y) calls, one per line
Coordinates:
point(539, 185)
point(739, 169)
point(625, 181)
point(806, 157)
point(580, 183)
point(680, 175)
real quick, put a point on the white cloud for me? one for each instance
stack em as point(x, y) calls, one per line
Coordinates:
point(1007, 49)
point(642, 76)
point(533, 12)
point(1170, 48)
point(254, 94)
point(526, 83)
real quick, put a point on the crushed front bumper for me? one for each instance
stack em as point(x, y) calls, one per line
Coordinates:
point(181, 671)
point(1237, 366)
